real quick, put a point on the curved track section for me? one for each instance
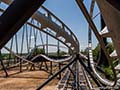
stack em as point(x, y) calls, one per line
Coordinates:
point(112, 26)
point(39, 56)
point(102, 80)
point(104, 33)
point(50, 59)
point(106, 82)
point(99, 37)
point(60, 30)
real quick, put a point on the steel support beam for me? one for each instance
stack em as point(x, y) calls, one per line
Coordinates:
point(2, 64)
point(15, 16)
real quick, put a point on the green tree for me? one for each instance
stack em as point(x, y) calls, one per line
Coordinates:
point(107, 69)
point(61, 53)
point(109, 73)
point(38, 51)
point(96, 52)
point(110, 47)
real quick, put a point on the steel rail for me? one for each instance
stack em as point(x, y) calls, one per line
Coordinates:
point(52, 60)
point(87, 79)
point(64, 79)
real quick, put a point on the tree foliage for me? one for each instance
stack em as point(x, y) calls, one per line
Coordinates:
point(61, 53)
point(110, 47)
point(108, 71)
point(38, 51)
point(96, 51)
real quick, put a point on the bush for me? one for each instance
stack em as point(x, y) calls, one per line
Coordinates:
point(38, 51)
point(109, 73)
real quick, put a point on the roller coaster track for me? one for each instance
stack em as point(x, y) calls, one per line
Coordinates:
point(58, 30)
point(106, 82)
point(110, 31)
point(112, 24)
point(64, 80)
point(112, 28)
point(61, 31)
point(52, 60)
point(68, 38)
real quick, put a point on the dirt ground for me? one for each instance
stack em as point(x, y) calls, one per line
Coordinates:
point(26, 80)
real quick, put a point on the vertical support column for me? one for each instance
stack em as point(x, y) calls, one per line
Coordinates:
point(51, 64)
point(90, 31)
point(58, 49)
point(22, 38)
point(51, 68)
point(58, 54)
point(2, 64)
point(9, 61)
point(20, 65)
point(47, 52)
point(27, 40)
point(59, 69)
point(89, 45)
point(16, 42)
point(15, 16)
point(47, 44)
